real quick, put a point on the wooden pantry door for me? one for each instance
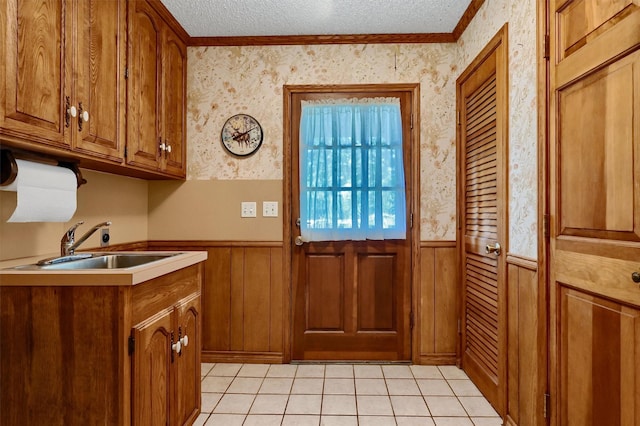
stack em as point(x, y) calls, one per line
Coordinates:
point(594, 195)
point(482, 170)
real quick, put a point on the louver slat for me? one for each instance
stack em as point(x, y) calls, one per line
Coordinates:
point(481, 215)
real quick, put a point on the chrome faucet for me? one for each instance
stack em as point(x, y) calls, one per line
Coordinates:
point(68, 244)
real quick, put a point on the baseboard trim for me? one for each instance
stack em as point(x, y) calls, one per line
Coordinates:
point(242, 357)
point(436, 359)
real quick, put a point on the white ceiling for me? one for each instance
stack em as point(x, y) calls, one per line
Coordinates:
point(222, 18)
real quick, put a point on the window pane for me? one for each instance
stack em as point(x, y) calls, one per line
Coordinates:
point(351, 172)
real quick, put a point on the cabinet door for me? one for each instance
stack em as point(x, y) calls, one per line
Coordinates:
point(143, 98)
point(174, 72)
point(188, 362)
point(99, 84)
point(33, 90)
point(151, 370)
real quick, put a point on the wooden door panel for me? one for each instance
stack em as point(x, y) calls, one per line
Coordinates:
point(34, 75)
point(581, 20)
point(143, 98)
point(350, 304)
point(174, 72)
point(187, 390)
point(325, 293)
point(151, 370)
point(376, 292)
point(99, 84)
point(599, 342)
point(595, 170)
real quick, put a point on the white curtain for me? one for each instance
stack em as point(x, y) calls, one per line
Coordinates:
point(351, 170)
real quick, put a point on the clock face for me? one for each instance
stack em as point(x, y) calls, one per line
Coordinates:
point(241, 135)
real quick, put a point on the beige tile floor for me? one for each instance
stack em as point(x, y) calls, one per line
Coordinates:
point(341, 395)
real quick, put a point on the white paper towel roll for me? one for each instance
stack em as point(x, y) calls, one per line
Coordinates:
point(45, 193)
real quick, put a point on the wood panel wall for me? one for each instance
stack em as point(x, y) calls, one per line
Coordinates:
point(526, 344)
point(243, 300)
point(436, 304)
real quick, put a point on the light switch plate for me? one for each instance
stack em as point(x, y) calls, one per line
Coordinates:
point(269, 209)
point(248, 209)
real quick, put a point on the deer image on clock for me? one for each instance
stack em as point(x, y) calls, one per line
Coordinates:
point(241, 135)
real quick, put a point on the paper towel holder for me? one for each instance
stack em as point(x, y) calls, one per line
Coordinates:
point(9, 167)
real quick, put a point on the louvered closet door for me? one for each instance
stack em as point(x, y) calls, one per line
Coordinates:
point(481, 200)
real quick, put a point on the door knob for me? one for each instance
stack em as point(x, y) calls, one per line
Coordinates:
point(635, 276)
point(299, 241)
point(493, 249)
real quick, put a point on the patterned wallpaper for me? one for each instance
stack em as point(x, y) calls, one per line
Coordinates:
point(523, 177)
point(223, 81)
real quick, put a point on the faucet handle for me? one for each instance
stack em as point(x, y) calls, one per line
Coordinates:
point(71, 232)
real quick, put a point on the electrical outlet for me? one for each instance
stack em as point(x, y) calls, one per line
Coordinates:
point(269, 209)
point(104, 237)
point(248, 209)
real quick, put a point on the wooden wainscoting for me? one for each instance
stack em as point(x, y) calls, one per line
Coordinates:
point(243, 300)
point(526, 343)
point(436, 304)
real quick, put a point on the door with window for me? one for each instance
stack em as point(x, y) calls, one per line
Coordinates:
point(351, 296)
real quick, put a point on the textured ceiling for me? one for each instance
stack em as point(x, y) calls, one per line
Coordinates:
point(222, 18)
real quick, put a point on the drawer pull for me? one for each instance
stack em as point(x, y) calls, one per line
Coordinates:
point(635, 276)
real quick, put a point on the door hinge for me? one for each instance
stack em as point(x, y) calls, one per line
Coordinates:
point(126, 73)
point(411, 123)
point(411, 221)
point(132, 345)
point(459, 327)
point(458, 117)
point(411, 320)
point(547, 47)
point(125, 152)
point(546, 224)
point(546, 405)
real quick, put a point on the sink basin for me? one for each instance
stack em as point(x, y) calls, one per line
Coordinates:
point(100, 261)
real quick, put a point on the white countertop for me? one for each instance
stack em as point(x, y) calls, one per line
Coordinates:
point(96, 277)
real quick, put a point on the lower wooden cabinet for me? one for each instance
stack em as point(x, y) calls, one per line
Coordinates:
point(108, 355)
point(165, 355)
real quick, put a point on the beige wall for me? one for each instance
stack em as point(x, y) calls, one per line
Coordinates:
point(210, 210)
point(121, 200)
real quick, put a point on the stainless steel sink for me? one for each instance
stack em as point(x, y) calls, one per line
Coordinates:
point(98, 261)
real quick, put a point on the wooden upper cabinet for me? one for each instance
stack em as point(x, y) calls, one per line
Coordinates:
point(157, 95)
point(62, 55)
point(174, 97)
point(143, 101)
point(32, 95)
point(100, 84)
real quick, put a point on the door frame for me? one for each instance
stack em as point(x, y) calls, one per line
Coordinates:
point(288, 232)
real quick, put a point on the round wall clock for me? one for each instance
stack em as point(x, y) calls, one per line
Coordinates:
point(241, 135)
